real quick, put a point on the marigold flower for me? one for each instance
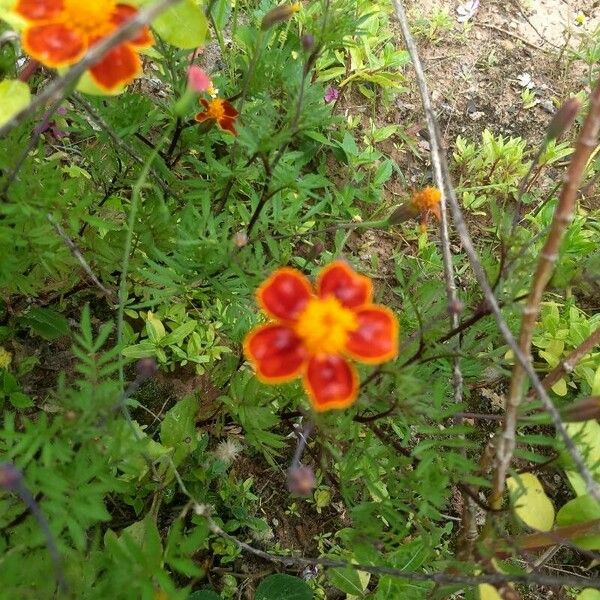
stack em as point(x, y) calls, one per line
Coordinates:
point(59, 32)
point(313, 334)
point(219, 110)
point(426, 202)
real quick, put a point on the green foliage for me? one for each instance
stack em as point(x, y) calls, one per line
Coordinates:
point(181, 222)
point(283, 586)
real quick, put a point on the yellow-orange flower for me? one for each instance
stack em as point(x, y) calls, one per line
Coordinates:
point(219, 110)
point(59, 32)
point(313, 333)
point(427, 202)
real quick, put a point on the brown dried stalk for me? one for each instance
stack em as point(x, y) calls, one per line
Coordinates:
point(468, 527)
point(491, 300)
point(563, 216)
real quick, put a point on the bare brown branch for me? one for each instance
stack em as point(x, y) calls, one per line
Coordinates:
point(491, 299)
point(563, 216)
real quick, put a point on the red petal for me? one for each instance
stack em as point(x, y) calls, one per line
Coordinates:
point(284, 294)
point(376, 338)
point(38, 10)
point(122, 13)
point(228, 124)
point(340, 280)
point(202, 116)
point(330, 382)
point(230, 110)
point(53, 44)
point(118, 67)
point(276, 352)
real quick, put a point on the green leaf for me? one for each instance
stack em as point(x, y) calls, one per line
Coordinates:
point(587, 441)
point(20, 400)
point(588, 594)
point(383, 173)
point(178, 429)
point(184, 25)
point(560, 387)
point(9, 383)
point(347, 580)
point(532, 505)
point(46, 322)
point(14, 97)
point(583, 509)
point(488, 592)
point(276, 587)
point(204, 595)
point(144, 349)
point(179, 334)
point(154, 328)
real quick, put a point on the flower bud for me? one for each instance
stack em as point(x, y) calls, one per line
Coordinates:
point(10, 476)
point(198, 80)
point(331, 94)
point(582, 410)
point(279, 14)
point(308, 41)
point(301, 480)
point(146, 368)
point(563, 118)
point(240, 239)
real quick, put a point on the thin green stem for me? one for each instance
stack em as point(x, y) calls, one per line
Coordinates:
point(135, 197)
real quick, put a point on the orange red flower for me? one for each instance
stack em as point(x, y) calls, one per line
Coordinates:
point(313, 333)
point(219, 110)
point(59, 32)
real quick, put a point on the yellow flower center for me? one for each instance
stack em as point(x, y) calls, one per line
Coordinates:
point(324, 325)
point(216, 109)
point(90, 18)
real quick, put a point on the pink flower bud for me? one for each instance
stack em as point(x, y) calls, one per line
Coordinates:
point(331, 95)
point(308, 41)
point(301, 480)
point(146, 368)
point(240, 239)
point(10, 476)
point(198, 80)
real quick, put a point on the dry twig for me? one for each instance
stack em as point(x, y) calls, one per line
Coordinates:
point(469, 531)
point(563, 216)
point(70, 244)
point(490, 298)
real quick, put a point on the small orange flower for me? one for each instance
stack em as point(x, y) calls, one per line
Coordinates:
point(59, 32)
point(426, 202)
point(219, 110)
point(312, 335)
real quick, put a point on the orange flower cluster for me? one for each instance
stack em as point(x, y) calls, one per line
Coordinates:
point(59, 32)
point(313, 333)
